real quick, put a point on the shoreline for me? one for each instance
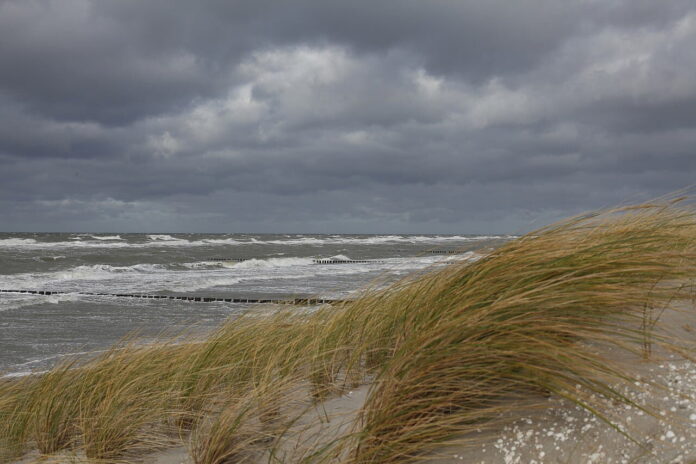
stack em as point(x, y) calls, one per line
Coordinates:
point(539, 345)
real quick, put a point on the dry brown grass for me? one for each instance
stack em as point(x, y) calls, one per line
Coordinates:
point(473, 340)
point(52, 422)
point(14, 396)
point(446, 353)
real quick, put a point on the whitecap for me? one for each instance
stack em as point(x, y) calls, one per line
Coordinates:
point(222, 241)
point(165, 238)
point(106, 237)
point(17, 242)
point(269, 263)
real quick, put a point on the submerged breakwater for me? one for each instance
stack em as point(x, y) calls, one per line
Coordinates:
point(69, 293)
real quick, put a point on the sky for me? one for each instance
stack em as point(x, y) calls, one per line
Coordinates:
point(361, 116)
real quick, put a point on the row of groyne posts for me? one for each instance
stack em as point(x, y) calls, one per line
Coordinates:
point(204, 299)
point(314, 261)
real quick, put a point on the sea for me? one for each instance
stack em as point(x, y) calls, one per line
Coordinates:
point(89, 270)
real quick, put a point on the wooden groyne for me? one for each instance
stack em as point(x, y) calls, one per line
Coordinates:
point(201, 299)
point(314, 261)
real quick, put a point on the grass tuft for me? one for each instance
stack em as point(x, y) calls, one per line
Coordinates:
point(52, 420)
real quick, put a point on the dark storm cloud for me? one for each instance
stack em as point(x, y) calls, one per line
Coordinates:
point(410, 116)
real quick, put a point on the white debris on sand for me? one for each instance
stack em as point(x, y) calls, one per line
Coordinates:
point(563, 432)
point(558, 432)
point(570, 434)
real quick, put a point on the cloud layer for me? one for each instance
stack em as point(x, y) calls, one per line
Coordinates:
point(315, 116)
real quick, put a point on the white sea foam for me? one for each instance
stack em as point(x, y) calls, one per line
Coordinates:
point(251, 264)
point(219, 241)
point(95, 241)
point(17, 242)
point(49, 258)
point(80, 274)
point(9, 301)
point(269, 263)
point(347, 240)
point(163, 240)
point(106, 237)
point(202, 265)
point(13, 301)
point(160, 276)
point(253, 275)
point(105, 271)
point(62, 298)
point(380, 239)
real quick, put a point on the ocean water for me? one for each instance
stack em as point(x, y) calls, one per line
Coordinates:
point(36, 331)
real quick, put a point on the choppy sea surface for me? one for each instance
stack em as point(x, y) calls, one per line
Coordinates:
point(36, 331)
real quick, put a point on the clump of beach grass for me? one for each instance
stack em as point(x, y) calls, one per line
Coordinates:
point(469, 342)
point(52, 421)
point(125, 400)
point(448, 355)
point(232, 435)
point(247, 423)
point(14, 395)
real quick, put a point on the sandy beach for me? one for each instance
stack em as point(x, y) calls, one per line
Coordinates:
point(584, 357)
point(555, 431)
point(561, 433)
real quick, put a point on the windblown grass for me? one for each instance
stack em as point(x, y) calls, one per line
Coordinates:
point(246, 423)
point(14, 397)
point(525, 318)
point(448, 354)
point(230, 436)
point(52, 421)
point(122, 403)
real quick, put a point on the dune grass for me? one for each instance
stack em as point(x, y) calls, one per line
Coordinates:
point(448, 355)
point(522, 320)
point(51, 420)
point(14, 401)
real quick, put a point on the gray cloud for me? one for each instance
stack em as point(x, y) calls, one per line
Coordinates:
point(396, 116)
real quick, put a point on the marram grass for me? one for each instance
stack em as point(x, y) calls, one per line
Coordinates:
point(448, 355)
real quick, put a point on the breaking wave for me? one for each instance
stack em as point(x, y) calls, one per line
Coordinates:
point(106, 237)
point(164, 240)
